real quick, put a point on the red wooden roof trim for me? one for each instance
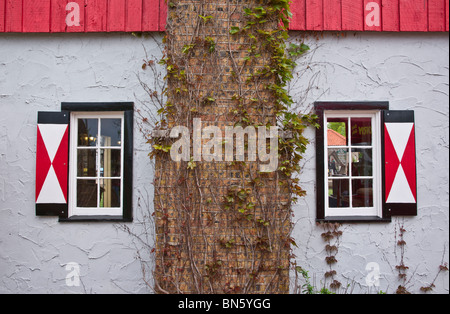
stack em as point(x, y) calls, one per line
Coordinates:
point(116, 10)
point(2, 15)
point(352, 15)
point(298, 21)
point(314, 16)
point(390, 15)
point(150, 15)
point(332, 15)
point(446, 16)
point(133, 21)
point(162, 15)
point(150, 18)
point(414, 15)
point(13, 16)
point(436, 15)
point(36, 16)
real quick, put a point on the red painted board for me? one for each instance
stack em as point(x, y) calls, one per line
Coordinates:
point(60, 163)
point(116, 15)
point(36, 16)
point(409, 162)
point(13, 18)
point(332, 15)
point(67, 16)
point(150, 15)
point(96, 15)
point(413, 15)
point(436, 15)
point(314, 15)
point(390, 15)
point(298, 20)
point(162, 15)
point(133, 17)
point(372, 15)
point(2, 15)
point(58, 16)
point(446, 15)
point(353, 15)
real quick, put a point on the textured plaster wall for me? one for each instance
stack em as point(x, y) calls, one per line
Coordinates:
point(411, 71)
point(38, 72)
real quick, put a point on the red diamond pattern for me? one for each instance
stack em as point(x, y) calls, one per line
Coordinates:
point(51, 175)
point(399, 173)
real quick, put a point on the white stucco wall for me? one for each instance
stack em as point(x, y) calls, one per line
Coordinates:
point(411, 71)
point(38, 72)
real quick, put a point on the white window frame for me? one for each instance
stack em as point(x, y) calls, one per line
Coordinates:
point(92, 211)
point(376, 146)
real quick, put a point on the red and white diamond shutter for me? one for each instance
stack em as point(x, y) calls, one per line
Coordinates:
point(52, 160)
point(400, 181)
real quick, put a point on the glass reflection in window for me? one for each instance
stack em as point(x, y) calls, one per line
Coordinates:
point(338, 164)
point(337, 132)
point(362, 193)
point(361, 131)
point(338, 193)
point(87, 132)
point(99, 163)
point(362, 162)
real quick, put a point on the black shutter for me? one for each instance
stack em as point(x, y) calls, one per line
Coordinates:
point(399, 164)
point(52, 161)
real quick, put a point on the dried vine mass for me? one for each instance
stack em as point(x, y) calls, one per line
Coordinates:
point(224, 227)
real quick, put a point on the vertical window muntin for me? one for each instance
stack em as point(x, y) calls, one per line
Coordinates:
point(376, 175)
point(95, 144)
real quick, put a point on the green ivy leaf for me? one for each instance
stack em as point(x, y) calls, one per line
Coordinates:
point(206, 18)
point(234, 30)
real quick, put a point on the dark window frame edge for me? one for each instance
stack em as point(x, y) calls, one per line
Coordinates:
point(354, 219)
point(100, 218)
point(97, 106)
point(320, 107)
point(127, 203)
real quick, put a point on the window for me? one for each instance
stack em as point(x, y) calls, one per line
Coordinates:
point(85, 175)
point(353, 163)
point(365, 162)
point(96, 183)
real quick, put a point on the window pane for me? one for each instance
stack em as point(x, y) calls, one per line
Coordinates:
point(110, 193)
point(338, 193)
point(87, 163)
point(110, 162)
point(361, 131)
point(337, 132)
point(338, 164)
point(86, 193)
point(111, 132)
point(362, 191)
point(87, 132)
point(362, 162)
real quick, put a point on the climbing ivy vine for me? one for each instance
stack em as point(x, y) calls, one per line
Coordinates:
point(266, 37)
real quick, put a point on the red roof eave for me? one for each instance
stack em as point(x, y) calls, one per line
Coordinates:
point(53, 16)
